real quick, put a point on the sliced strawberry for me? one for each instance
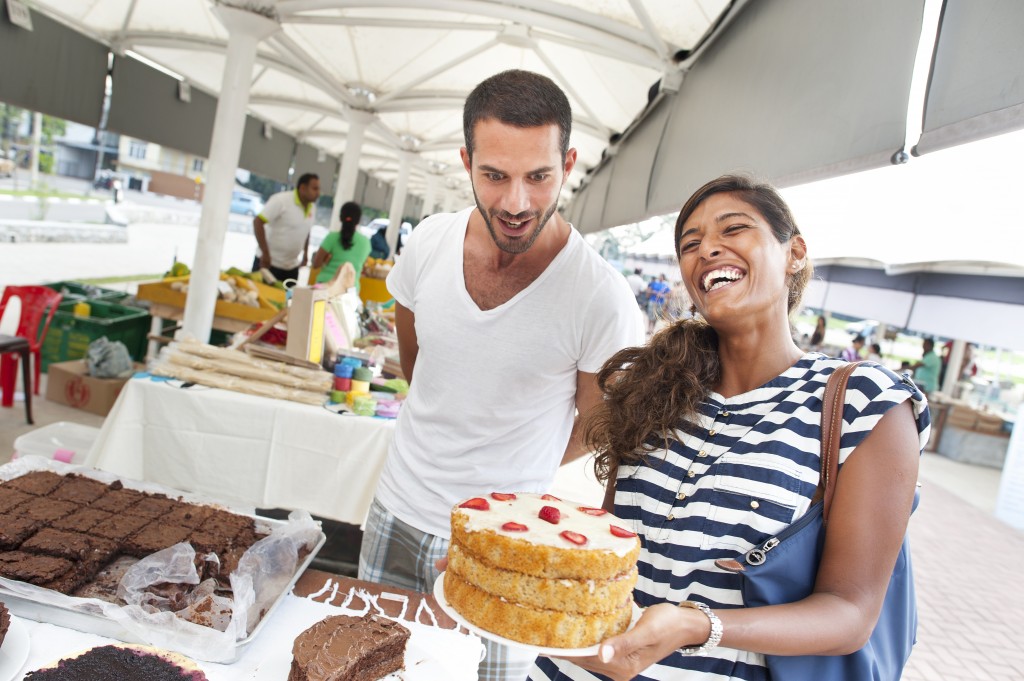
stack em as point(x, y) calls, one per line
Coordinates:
point(592, 511)
point(477, 503)
point(575, 537)
point(514, 527)
point(550, 497)
point(620, 532)
point(502, 496)
point(550, 514)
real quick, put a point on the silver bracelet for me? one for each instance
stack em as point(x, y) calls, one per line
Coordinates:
point(716, 630)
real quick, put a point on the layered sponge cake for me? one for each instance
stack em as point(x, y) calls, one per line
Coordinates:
point(539, 570)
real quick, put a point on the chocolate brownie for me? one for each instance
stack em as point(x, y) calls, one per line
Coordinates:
point(45, 509)
point(187, 515)
point(79, 574)
point(11, 498)
point(82, 520)
point(153, 506)
point(228, 564)
point(119, 527)
point(39, 483)
point(209, 541)
point(228, 524)
point(79, 489)
point(27, 567)
point(14, 530)
point(153, 538)
point(70, 545)
point(117, 500)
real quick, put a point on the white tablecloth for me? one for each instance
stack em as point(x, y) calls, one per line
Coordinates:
point(243, 449)
point(432, 654)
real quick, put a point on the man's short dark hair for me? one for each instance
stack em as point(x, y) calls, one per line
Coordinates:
point(306, 177)
point(520, 98)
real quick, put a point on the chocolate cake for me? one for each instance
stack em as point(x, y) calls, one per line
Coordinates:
point(11, 498)
point(121, 663)
point(32, 568)
point(5, 622)
point(14, 530)
point(79, 489)
point(38, 483)
point(343, 648)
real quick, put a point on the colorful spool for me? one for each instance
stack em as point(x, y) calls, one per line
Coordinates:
point(344, 384)
point(338, 396)
point(360, 386)
point(362, 374)
point(342, 370)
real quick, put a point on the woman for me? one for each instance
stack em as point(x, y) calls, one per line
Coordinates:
point(710, 438)
point(345, 245)
point(818, 337)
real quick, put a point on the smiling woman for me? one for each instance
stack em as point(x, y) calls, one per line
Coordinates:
point(710, 440)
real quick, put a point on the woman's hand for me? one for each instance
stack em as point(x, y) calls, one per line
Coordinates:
point(441, 564)
point(661, 629)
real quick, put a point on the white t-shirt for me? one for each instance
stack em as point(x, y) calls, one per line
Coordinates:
point(287, 226)
point(492, 399)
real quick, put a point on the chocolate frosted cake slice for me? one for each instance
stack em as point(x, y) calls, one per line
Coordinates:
point(343, 648)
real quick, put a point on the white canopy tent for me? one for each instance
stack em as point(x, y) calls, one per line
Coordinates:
point(790, 89)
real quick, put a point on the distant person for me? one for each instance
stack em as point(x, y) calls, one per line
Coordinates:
point(638, 286)
point(345, 245)
point(282, 229)
point(657, 296)
point(818, 337)
point(875, 353)
point(115, 186)
point(852, 353)
point(926, 372)
point(379, 244)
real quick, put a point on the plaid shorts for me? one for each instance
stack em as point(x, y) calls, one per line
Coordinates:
point(394, 552)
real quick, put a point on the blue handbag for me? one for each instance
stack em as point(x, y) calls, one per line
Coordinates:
point(783, 569)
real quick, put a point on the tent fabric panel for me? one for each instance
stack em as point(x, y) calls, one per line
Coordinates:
point(791, 93)
point(976, 89)
point(1008, 290)
point(306, 161)
point(889, 306)
point(52, 69)
point(362, 179)
point(591, 213)
point(270, 158)
point(631, 171)
point(144, 104)
point(863, 276)
point(971, 320)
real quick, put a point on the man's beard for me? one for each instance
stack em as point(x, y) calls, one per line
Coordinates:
point(522, 244)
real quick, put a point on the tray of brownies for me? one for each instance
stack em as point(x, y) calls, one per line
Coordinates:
point(143, 563)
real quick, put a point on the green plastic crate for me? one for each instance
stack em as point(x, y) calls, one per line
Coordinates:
point(74, 290)
point(69, 336)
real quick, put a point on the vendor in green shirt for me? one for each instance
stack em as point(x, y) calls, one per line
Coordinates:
point(926, 372)
point(345, 245)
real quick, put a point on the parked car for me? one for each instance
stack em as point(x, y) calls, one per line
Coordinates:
point(246, 204)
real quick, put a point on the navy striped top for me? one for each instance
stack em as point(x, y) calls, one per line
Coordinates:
point(747, 471)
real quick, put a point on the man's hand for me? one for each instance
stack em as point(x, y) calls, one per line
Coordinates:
point(265, 261)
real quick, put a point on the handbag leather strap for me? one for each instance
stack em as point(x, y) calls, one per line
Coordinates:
point(831, 429)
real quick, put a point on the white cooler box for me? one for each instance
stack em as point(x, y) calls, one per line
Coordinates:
point(64, 441)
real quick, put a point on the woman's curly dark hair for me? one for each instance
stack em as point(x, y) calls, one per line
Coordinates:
point(655, 389)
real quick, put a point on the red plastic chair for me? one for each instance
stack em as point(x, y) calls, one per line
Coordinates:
point(36, 301)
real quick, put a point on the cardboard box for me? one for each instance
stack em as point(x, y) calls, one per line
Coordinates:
point(70, 383)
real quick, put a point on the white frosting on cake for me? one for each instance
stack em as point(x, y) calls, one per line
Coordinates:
point(524, 509)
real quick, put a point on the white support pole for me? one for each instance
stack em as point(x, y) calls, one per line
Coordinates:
point(245, 31)
point(348, 170)
point(398, 199)
point(430, 199)
point(37, 138)
point(953, 362)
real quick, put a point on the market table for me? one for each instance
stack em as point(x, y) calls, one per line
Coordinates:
point(244, 449)
point(436, 650)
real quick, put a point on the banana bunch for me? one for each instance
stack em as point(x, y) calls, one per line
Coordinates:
point(238, 289)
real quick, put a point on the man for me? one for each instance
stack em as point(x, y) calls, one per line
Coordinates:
point(504, 316)
point(638, 286)
point(852, 353)
point(657, 295)
point(926, 372)
point(282, 229)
